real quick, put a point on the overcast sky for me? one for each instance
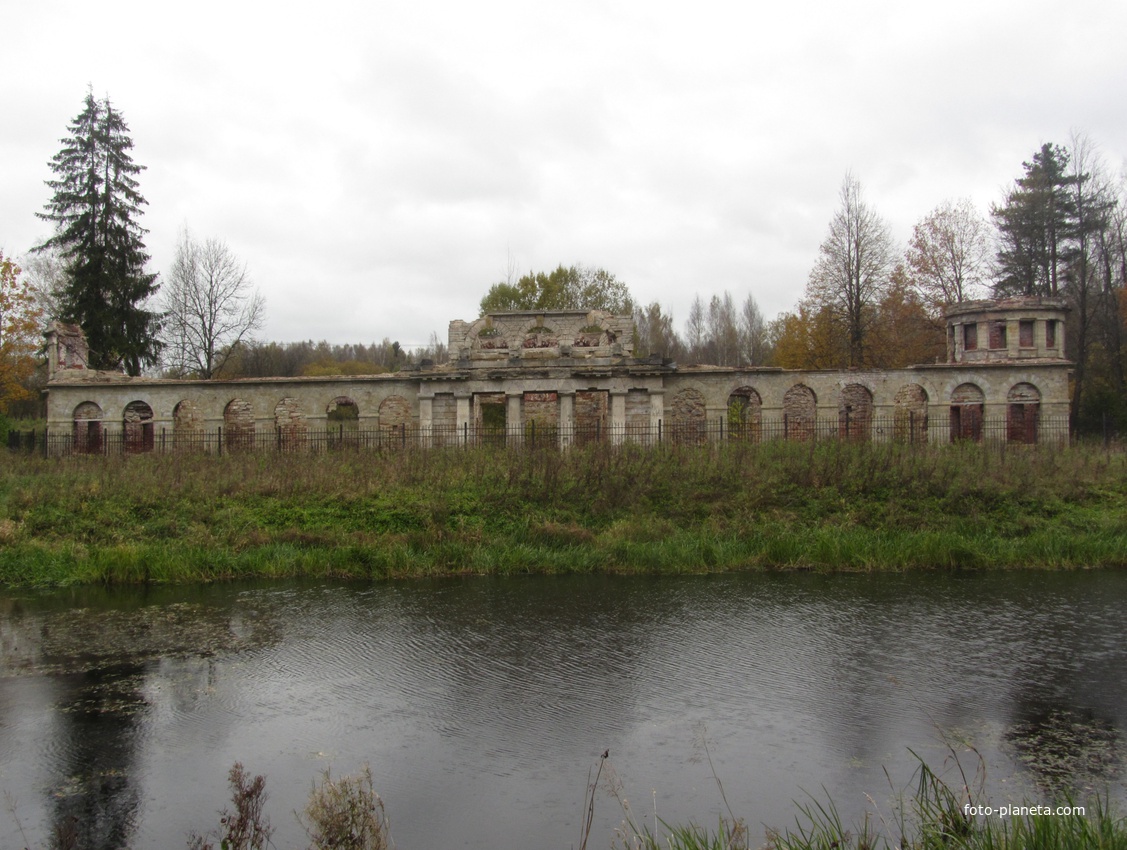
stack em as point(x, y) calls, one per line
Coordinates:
point(376, 164)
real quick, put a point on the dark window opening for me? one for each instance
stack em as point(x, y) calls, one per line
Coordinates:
point(997, 334)
point(966, 422)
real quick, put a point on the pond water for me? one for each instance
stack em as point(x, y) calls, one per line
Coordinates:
point(481, 705)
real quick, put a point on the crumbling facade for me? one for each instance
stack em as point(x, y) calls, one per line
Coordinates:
point(570, 376)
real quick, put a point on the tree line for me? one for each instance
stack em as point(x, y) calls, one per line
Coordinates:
point(1059, 230)
point(92, 271)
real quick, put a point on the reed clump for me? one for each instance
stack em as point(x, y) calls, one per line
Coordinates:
point(346, 814)
point(245, 828)
point(630, 508)
point(931, 815)
point(937, 816)
point(341, 814)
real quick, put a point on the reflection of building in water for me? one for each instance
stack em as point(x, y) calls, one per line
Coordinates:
point(96, 799)
point(102, 674)
point(571, 376)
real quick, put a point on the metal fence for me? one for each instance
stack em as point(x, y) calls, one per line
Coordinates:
point(95, 439)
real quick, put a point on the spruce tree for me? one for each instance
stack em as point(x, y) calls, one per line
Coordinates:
point(95, 208)
point(1037, 226)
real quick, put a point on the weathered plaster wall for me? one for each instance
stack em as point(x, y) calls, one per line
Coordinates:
point(573, 370)
point(698, 395)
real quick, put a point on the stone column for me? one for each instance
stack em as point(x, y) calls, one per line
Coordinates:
point(657, 413)
point(426, 418)
point(462, 417)
point(617, 416)
point(514, 430)
point(716, 423)
point(317, 426)
point(567, 418)
point(1013, 338)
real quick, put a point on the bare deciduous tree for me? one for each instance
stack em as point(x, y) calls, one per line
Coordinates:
point(723, 333)
point(851, 275)
point(209, 307)
point(949, 254)
point(695, 329)
point(754, 343)
point(654, 333)
point(46, 274)
point(1093, 201)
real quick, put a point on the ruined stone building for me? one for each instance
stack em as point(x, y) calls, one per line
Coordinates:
point(566, 376)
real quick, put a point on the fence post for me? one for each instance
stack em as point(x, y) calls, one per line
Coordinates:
point(659, 432)
point(219, 444)
point(403, 434)
point(786, 432)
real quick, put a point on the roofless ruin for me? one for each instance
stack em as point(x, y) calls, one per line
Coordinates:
point(571, 376)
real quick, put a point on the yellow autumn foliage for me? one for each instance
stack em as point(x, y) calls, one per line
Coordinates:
point(19, 334)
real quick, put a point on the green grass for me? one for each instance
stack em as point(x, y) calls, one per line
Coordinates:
point(826, 506)
point(937, 816)
point(931, 814)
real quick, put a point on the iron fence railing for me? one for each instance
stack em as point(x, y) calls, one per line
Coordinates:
point(96, 438)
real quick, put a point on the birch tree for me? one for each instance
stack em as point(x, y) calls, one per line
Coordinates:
point(210, 307)
point(949, 254)
point(851, 275)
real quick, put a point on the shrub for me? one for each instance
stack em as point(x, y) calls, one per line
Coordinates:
point(346, 814)
point(247, 828)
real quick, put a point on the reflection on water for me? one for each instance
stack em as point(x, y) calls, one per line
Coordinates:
point(480, 704)
point(96, 798)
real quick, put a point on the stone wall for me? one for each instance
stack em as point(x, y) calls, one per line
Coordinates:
point(918, 400)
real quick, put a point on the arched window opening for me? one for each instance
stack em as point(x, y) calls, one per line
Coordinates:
point(137, 427)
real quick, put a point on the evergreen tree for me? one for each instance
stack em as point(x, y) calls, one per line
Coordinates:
point(95, 208)
point(1036, 226)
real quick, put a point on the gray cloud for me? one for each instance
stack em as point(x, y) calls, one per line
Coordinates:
point(375, 165)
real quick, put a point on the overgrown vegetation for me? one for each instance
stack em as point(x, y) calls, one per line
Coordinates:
point(247, 827)
point(932, 814)
point(830, 505)
point(346, 814)
point(937, 816)
point(342, 814)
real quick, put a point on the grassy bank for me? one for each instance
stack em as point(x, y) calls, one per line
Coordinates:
point(347, 814)
point(492, 510)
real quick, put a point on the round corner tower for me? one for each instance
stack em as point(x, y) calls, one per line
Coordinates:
point(1006, 330)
